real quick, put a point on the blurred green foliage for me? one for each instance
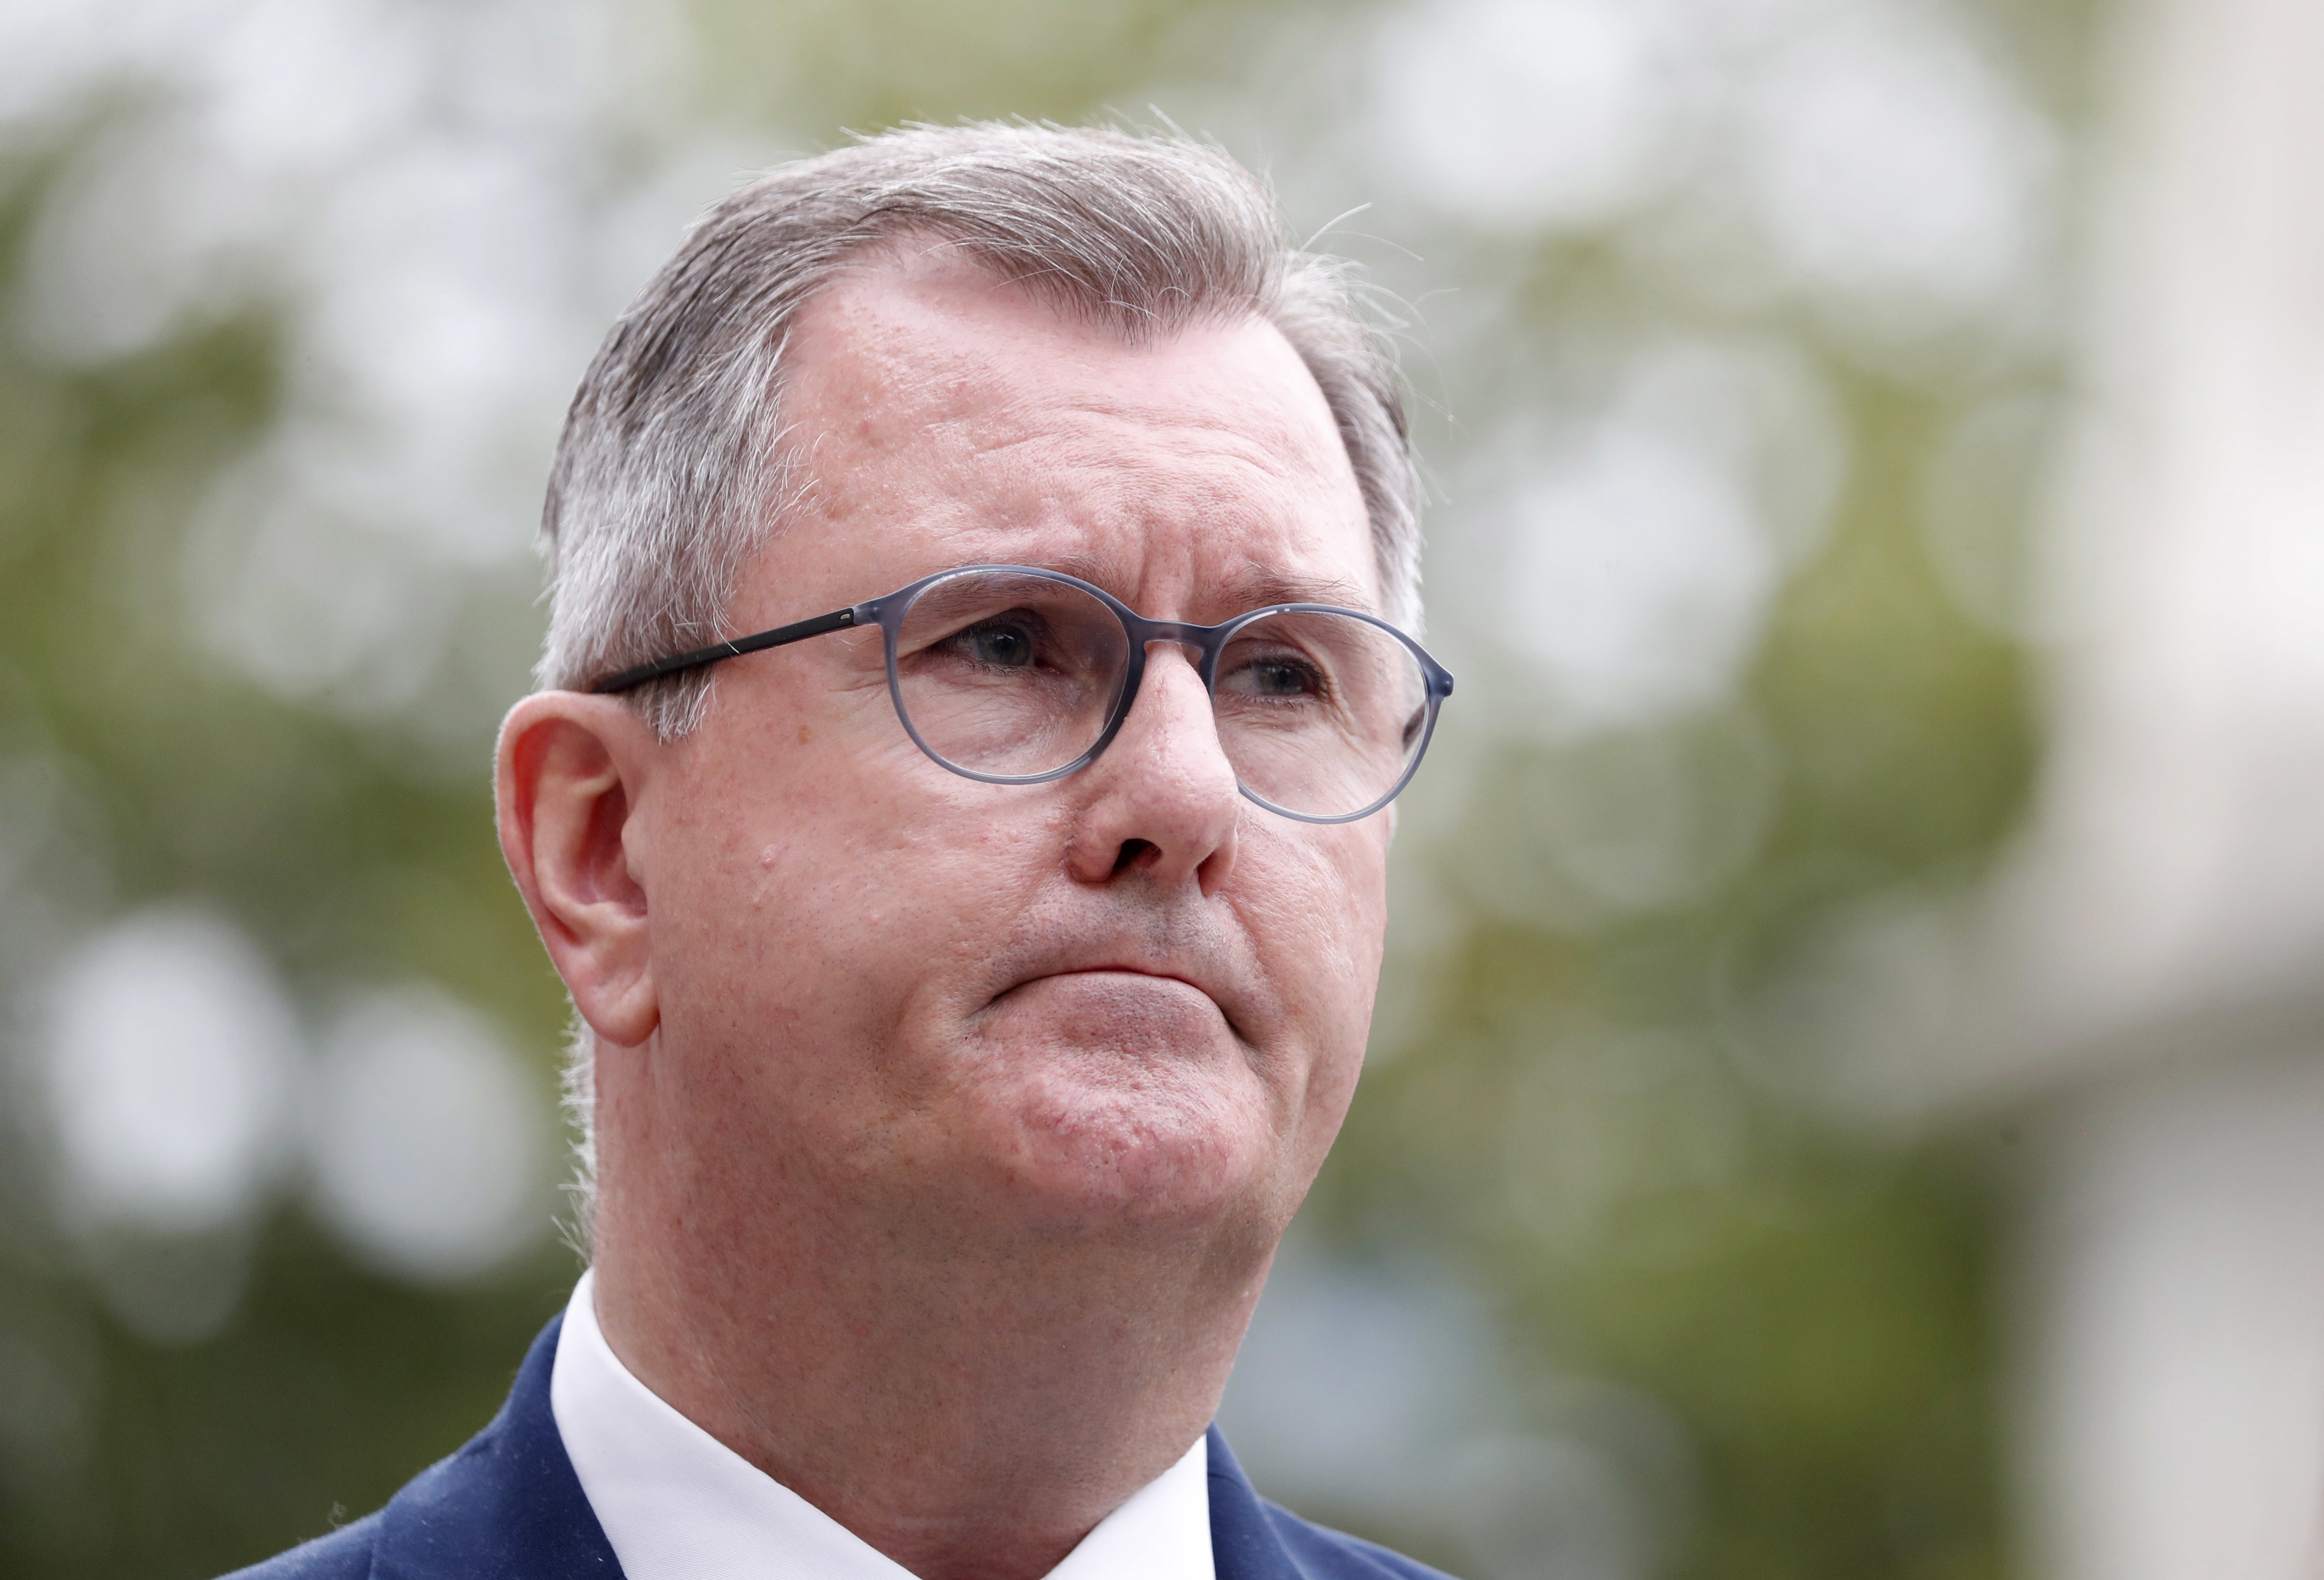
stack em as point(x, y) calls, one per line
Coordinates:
point(1568, 1116)
point(333, 1385)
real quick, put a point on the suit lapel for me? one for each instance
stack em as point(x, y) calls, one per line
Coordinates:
point(1244, 1542)
point(505, 1507)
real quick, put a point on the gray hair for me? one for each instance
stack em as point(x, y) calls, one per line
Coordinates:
point(673, 468)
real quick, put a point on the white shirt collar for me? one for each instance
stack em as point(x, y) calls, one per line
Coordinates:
point(678, 1505)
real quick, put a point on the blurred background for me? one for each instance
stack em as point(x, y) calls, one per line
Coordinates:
point(1846, 1097)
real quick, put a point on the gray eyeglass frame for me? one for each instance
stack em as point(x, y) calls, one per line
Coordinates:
point(1208, 641)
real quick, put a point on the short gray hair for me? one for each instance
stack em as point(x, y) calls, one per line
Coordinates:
point(673, 468)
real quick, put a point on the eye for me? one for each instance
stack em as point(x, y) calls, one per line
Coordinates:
point(1275, 675)
point(1000, 644)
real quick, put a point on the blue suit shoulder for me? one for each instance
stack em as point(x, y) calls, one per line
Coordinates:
point(1252, 1539)
point(506, 1507)
point(345, 1554)
point(1323, 1551)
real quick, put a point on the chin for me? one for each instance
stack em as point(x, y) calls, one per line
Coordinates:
point(1168, 1150)
point(1114, 1097)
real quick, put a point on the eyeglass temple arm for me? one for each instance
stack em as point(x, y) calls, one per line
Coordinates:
point(679, 663)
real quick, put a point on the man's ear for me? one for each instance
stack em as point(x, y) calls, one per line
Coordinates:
point(567, 783)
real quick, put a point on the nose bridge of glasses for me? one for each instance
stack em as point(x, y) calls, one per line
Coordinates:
point(1197, 655)
point(1201, 643)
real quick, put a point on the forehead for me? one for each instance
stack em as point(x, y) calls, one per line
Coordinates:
point(944, 418)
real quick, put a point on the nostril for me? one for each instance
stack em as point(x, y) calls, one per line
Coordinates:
point(1133, 851)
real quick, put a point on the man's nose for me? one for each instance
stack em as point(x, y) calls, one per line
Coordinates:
point(1162, 799)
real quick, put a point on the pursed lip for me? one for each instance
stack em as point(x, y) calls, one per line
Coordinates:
point(1202, 982)
point(1153, 976)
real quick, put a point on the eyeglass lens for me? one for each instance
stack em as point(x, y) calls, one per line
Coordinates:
point(1014, 675)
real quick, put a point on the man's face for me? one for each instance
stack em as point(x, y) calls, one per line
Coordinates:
point(1128, 998)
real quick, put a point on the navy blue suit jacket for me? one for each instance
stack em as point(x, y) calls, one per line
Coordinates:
point(507, 1507)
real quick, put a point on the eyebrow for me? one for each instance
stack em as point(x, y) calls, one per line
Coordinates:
point(1253, 588)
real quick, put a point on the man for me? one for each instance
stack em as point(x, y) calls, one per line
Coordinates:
point(957, 803)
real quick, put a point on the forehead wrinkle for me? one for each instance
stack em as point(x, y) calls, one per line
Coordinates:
point(1081, 470)
point(1182, 407)
point(1066, 473)
point(1091, 423)
point(906, 382)
point(1244, 468)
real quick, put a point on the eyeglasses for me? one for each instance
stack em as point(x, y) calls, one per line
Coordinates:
point(1014, 675)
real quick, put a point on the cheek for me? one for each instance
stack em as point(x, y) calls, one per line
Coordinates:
point(1317, 916)
point(837, 891)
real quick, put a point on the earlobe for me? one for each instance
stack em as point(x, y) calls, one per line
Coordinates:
point(567, 782)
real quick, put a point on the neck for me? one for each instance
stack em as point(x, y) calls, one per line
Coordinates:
point(969, 1401)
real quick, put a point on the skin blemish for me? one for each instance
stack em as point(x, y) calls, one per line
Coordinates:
point(806, 734)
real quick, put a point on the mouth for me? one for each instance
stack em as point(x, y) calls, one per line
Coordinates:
point(1150, 976)
point(1118, 982)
